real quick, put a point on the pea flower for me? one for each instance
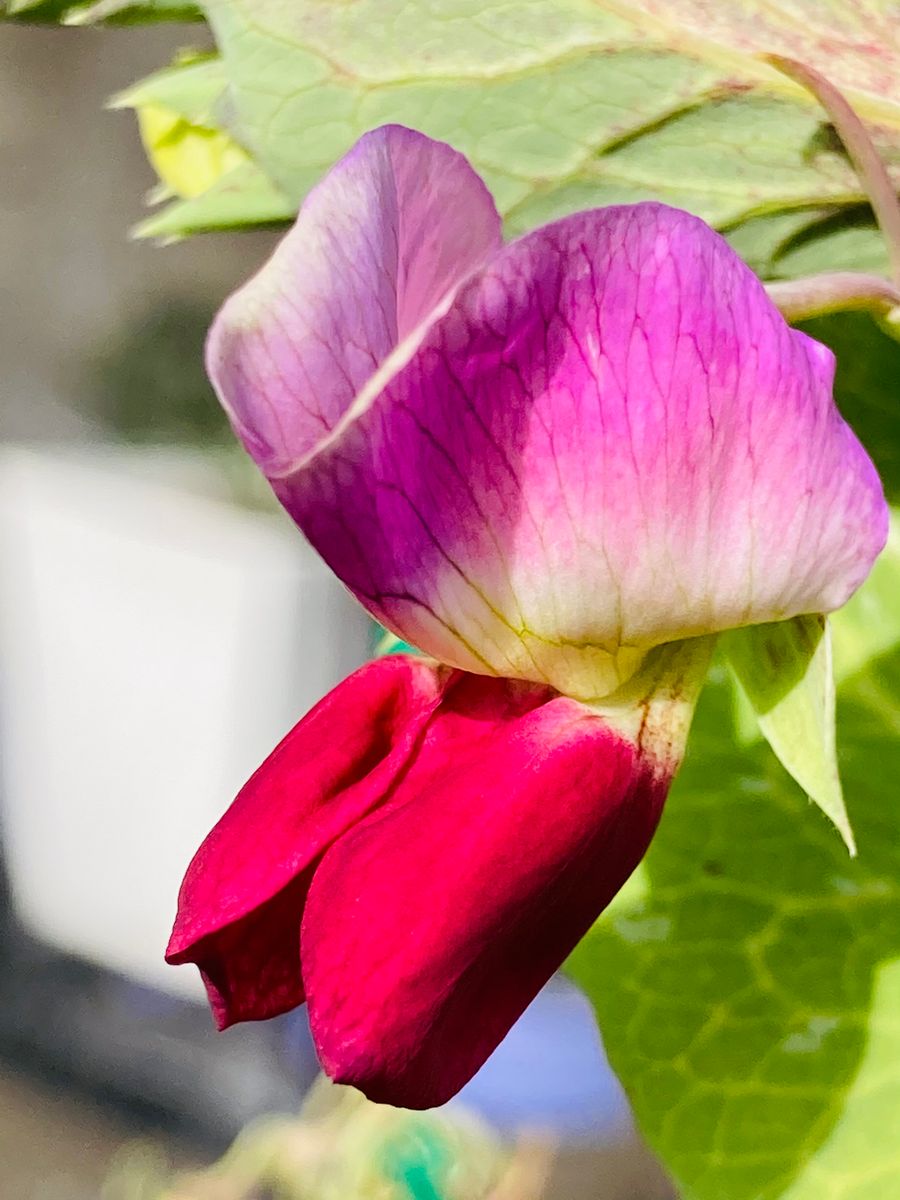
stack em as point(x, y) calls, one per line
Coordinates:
point(556, 466)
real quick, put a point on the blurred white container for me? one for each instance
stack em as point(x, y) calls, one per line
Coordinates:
point(155, 644)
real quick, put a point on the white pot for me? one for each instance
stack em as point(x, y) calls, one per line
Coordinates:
point(155, 644)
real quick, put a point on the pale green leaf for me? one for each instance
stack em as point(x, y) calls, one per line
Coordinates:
point(179, 112)
point(562, 104)
point(833, 247)
point(194, 87)
point(869, 626)
point(747, 980)
point(785, 671)
point(243, 196)
point(761, 240)
point(853, 42)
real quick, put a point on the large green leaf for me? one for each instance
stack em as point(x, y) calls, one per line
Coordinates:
point(854, 42)
point(560, 104)
point(762, 240)
point(847, 242)
point(565, 103)
point(747, 981)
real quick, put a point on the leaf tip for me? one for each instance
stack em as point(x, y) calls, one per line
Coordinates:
point(836, 813)
point(849, 840)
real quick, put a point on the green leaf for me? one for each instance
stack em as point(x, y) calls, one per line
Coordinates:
point(179, 112)
point(869, 626)
point(832, 246)
point(115, 12)
point(852, 41)
point(133, 12)
point(193, 87)
point(562, 104)
point(35, 11)
point(245, 196)
point(785, 671)
point(747, 981)
point(177, 116)
point(761, 240)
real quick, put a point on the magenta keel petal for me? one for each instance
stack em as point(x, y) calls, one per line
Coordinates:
point(433, 923)
point(416, 859)
point(241, 901)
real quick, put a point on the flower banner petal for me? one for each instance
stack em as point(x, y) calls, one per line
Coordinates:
point(611, 440)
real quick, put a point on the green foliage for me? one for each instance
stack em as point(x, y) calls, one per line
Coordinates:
point(846, 240)
point(89, 12)
point(180, 112)
point(560, 105)
point(244, 197)
point(748, 979)
point(36, 11)
point(786, 674)
point(176, 111)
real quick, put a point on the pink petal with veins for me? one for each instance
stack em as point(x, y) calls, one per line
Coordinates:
point(606, 440)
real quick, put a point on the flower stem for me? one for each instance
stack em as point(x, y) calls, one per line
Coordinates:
point(834, 291)
point(859, 146)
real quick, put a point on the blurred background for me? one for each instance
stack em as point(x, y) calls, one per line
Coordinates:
point(161, 627)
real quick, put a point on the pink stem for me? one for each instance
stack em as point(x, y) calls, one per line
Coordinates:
point(859, 146)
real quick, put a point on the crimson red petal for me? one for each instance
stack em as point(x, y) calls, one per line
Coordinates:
point(432, 924)
point(241, 901)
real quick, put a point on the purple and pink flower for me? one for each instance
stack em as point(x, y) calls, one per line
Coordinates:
point(556, 466)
